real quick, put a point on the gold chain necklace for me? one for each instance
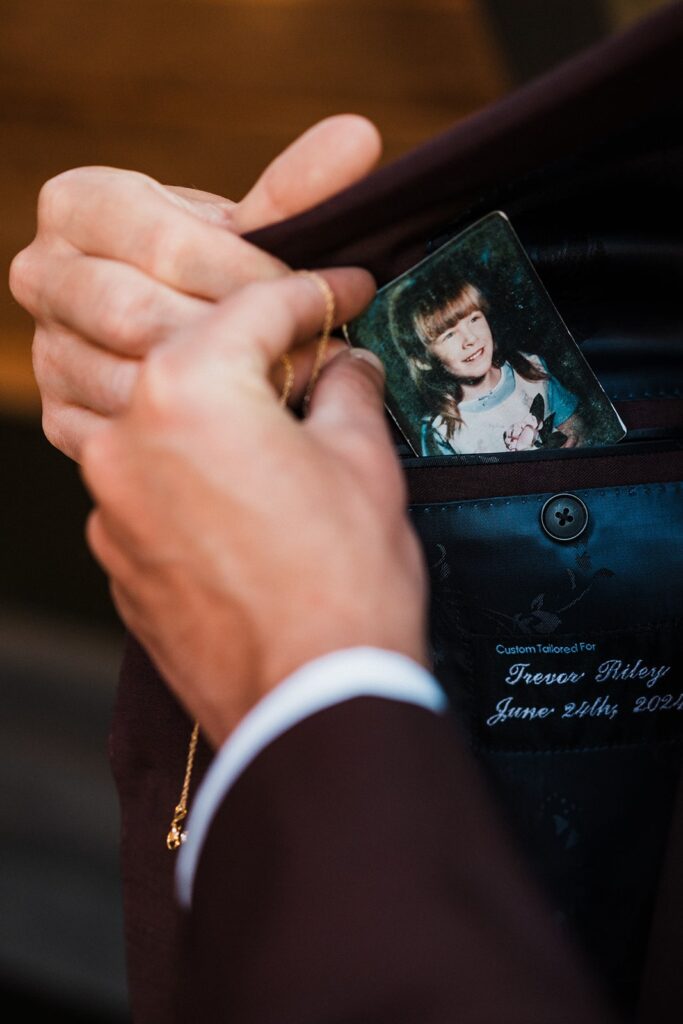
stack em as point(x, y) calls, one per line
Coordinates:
point(177, 834)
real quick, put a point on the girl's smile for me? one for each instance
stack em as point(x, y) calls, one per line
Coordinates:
point(475, 355)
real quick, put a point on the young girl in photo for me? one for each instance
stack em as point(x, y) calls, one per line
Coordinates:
point(483, 400)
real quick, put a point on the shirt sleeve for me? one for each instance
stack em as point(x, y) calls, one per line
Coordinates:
point(320, 684)
point(560, 401)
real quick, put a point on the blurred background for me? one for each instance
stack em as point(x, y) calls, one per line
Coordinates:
point(200, 93)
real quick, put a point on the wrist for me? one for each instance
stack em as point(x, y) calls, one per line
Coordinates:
point(344, 675)
point(221, 720)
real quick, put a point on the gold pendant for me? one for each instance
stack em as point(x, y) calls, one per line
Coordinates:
point(176, 837)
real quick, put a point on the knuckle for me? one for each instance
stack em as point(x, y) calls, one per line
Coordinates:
point(120, 383)
point(125, 318)
point(163, 250)
point(21, 274)
point(116, 319)
point(56, 196)
point(63, 193)
point(53, 429)
point(50, 426)
point(158, 385)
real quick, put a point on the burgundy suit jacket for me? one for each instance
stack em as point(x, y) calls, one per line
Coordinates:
point(357, 873)
point(525, 155)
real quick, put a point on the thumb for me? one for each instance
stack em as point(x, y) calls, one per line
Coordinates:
point(348, 401)
point(327, 158)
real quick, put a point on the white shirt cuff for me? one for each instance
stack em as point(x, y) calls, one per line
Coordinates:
point(332, 679)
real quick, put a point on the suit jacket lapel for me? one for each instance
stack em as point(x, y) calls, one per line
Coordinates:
point(383, 221)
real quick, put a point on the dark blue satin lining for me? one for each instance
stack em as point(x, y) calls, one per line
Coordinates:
point(593, 819)
point(502, 559)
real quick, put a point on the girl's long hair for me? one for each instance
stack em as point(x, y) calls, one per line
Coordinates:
point(433, 314)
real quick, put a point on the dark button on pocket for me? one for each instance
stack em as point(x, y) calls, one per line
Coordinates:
point(564, 517)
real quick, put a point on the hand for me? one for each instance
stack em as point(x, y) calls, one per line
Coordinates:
point(240, 541)
point(119, 260)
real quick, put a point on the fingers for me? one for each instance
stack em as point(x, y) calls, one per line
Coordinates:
point(347, 416)
point(103, 546)
point(207, 205)
point(129, 578)
point(125, 216)
point(224, 361)
point(349, 397)
point(111, 303)
point(327, 158)
point(69, 427)
point(70, 370)
point(182, 238)
point(303, 359)
point(115, 469)
point(264, 320)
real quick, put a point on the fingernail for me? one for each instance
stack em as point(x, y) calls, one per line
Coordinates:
point(369, 357)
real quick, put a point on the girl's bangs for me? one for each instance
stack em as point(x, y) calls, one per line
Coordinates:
point(430, 324)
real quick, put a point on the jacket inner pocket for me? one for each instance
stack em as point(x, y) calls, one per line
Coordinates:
point(563, 663)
